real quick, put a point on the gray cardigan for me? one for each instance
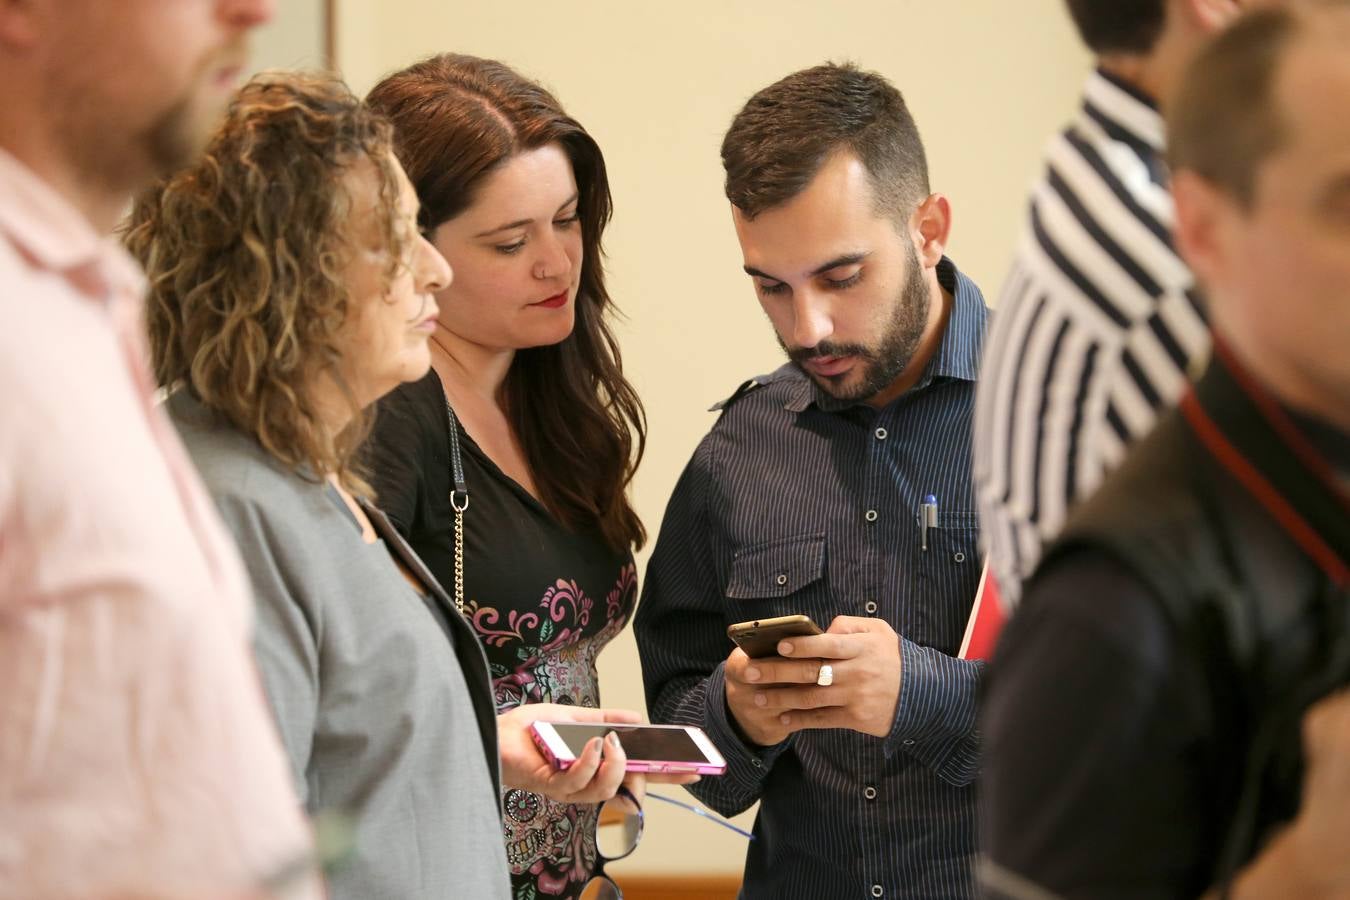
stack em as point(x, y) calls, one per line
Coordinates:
point(382, 697)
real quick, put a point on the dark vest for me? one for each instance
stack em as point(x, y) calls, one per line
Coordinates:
point(1212, 511)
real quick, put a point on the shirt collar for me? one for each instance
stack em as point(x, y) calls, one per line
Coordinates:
point(52, 234)
point(957, 356)
point(1124, 111)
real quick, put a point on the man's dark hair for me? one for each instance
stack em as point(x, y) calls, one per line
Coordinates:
point(786, 132)
point(1119, 26)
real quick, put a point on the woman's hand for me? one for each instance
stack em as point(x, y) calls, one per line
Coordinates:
point(598, 770)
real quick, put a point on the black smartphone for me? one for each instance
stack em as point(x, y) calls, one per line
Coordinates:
point(760, 637)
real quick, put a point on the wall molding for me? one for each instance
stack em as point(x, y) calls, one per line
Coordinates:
point(678, 887)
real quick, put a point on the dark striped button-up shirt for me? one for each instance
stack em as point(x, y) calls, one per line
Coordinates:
point(1095, 333)
point(796, 503)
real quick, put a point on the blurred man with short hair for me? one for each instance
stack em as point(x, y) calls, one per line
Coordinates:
point(1147, 725)
point(137, 755)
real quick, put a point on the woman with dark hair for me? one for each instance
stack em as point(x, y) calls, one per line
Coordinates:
point(290, 288)
point(528, 392)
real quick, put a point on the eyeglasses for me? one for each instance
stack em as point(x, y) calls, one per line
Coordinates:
point(618, 831)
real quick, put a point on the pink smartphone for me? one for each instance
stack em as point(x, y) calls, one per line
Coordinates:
point(650, 748)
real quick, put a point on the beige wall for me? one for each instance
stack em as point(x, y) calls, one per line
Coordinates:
point(293, 39)
point(657, 84)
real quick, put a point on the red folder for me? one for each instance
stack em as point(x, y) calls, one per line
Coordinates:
point(986, 619)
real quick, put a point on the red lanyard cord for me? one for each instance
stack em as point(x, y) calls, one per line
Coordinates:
point(1265, 493)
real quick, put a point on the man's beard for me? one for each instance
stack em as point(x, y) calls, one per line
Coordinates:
point(175, 138)
point(169, 143)
point(181, 133)
point(882, 363)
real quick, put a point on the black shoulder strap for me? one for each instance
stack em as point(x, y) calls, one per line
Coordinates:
point(459, 497)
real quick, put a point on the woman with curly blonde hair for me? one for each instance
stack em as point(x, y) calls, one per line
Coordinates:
point(290, 289)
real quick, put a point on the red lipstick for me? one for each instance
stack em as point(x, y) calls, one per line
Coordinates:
point(553, 302)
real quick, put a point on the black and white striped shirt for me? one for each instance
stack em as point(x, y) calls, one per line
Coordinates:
point(796, 503)
point(1096, 330)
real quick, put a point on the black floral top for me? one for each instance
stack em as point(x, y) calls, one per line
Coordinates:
point(544, 601)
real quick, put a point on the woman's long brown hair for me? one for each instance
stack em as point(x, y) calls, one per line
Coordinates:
point(456, 120)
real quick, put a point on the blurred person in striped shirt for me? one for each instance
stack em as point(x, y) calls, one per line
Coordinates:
point(1098, 326)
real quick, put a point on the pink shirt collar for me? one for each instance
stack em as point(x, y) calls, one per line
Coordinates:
point(53, 235)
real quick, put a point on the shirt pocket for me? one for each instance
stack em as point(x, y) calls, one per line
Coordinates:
point(949, 573)
point(785, 576)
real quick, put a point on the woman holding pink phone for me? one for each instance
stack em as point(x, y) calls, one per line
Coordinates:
point(507, 466)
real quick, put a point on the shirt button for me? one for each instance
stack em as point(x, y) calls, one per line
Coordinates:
point(878, 890)
point(881, 434)
point(871, 515)
point(870, 793)
point(871, 607)
point(908, 742)
point(959, 557)
point(758, 764)
point(782, 579)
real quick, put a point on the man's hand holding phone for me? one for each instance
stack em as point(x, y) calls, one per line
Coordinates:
point(744, 682)
point(755, 640)
point(773, 697)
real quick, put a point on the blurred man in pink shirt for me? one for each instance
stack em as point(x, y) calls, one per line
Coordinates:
point(137, 756)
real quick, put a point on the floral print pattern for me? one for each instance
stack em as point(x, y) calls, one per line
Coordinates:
point(546, 654)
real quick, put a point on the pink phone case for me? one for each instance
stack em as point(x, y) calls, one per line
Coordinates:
point(670, 767)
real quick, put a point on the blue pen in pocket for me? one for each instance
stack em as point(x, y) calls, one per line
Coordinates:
point(928, 513)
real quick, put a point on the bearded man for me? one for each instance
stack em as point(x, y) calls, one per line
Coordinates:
point(839, 487)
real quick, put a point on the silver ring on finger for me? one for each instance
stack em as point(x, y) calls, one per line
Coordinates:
point(825, 677)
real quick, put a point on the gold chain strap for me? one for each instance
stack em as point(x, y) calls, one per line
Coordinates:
point(459, 501)
point(459, 554)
